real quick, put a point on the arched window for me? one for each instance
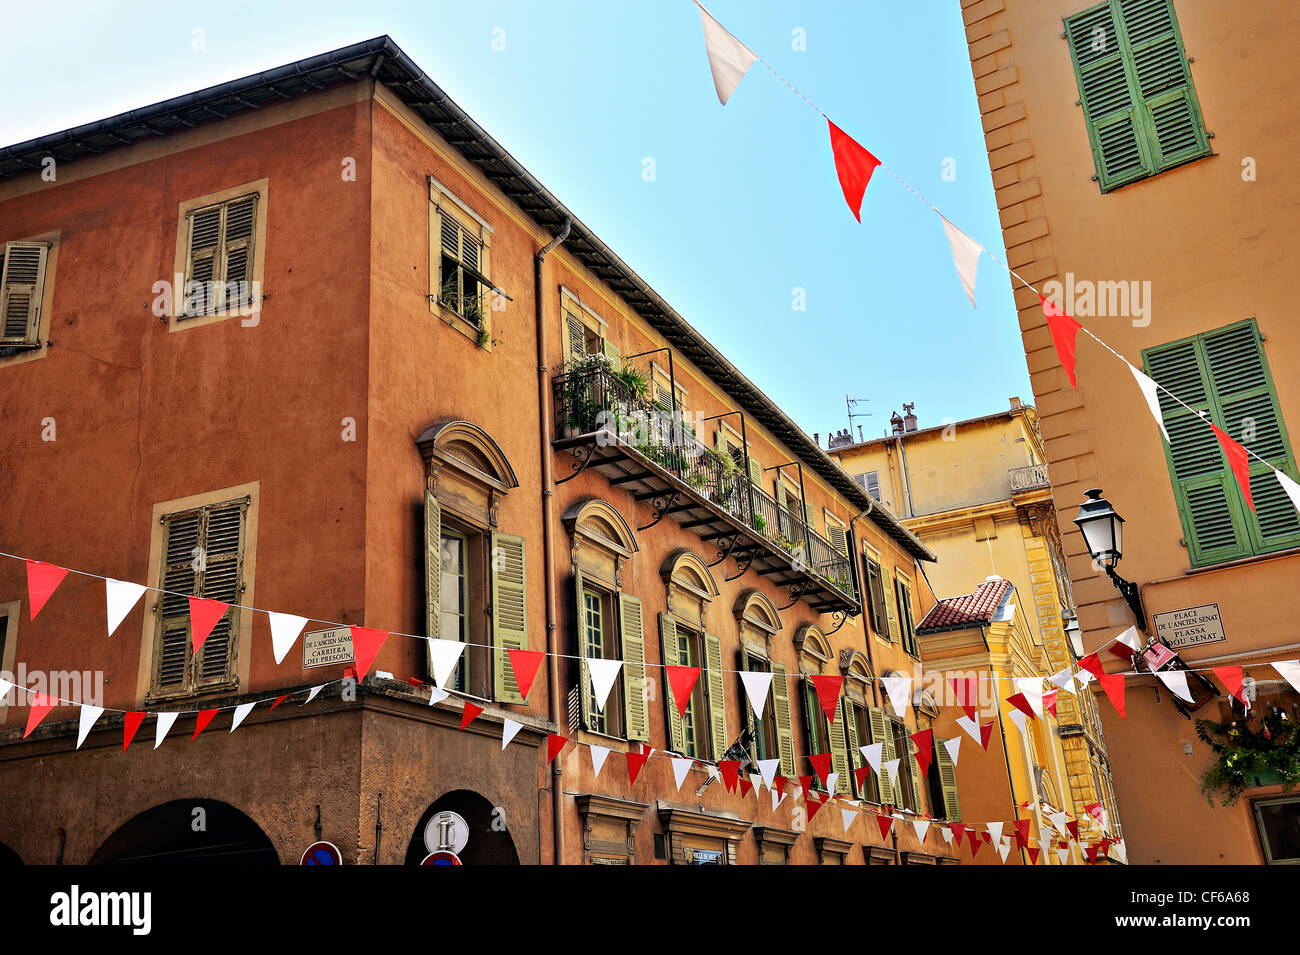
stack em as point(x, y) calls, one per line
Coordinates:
point(823, 735)
point(701, 731)
point(908, 788)
point(769, 734)
point(856, 713)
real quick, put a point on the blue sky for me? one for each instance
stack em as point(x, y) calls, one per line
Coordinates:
point(744, 207)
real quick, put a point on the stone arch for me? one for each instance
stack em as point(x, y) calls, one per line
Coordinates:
point(489, 841)
point(600, 522)
point(814, 649)
point(858, 675)
point(687, 569)
point(466, 447)
point(166, 835)
point(753, 610)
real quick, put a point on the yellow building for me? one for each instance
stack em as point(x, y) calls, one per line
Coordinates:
point(977, 493)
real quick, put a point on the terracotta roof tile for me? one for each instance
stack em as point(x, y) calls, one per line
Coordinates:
point(972, 610)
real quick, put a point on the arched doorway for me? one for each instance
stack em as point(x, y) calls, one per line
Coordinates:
point(188, 831)
point(489, 841)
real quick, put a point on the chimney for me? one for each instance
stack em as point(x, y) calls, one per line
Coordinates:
point(859, 434)
point(1015, 404)
point(896, 423)
point(909, 417)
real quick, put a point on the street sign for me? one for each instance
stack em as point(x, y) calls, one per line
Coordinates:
point(441, 857)
point(322, 648)
point(1191, 627)
point(322, 853)
point(446, 831)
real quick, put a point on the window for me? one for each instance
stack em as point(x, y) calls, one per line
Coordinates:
point(459, 265)
point(22, 294)
point(869, 482)
point(858, 726)
point(690, 731)
point(1224, 375)
point(814, 722)
point(889, 793)
point(907, 629)
point(1278, 821)
point(702, 732)
point(600, 643)
point(763, 725)
point(943, 784)
point(823, 735)
point(583, 330)
point(203, 556)
point(908, 788)
point(1136, 89)
point(219, 265)
point(837, 533)
point(876, 600)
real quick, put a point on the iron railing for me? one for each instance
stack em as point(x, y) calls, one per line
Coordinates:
point(1029, 478)
point(592, 399)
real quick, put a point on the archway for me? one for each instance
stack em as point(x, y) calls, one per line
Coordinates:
point(166, 835)
point(489, 840)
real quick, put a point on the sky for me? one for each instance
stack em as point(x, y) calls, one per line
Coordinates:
point(734, 215)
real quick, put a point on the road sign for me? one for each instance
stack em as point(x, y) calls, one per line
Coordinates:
point(446, 830)
point(441, 857)
point(322, 853)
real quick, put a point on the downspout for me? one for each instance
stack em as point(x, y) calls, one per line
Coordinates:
point(1006, 753)
point(907, 483)
point(553, 695)
point(863, 586)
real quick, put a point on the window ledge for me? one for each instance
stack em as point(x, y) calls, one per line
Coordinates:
point(1238, 562)
point(482, 337)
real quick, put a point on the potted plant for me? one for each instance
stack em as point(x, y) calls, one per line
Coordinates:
point(1251, 757)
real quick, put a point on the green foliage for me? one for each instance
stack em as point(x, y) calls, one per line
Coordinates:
point(1246, 755)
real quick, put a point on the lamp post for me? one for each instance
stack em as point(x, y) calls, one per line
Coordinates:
point(1075, 635)
point(1103, 534)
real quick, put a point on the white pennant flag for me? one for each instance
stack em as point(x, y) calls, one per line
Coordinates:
point(1151, 393)
point(681, 766)
point(444, 655)
point(1083, 677)
point(1064, 679)
point(1058, 821)
point(1019, 719)
point(603, 674)
point(1290, 670)
point(1130, 639)
point(1176, 682)
point(89, 714)
point(848, 815)
point(831, 780)
point(899, 689)
point(891, 768)
point(729, 59)
point(165, 721)
point(508, 730)
point(972, 728)
point(777, 800)
point(598, 756)
point(872, 753)
point(242, 710)
point(120, 596)
point(768, 768)
point(1063, 855)
point(437, 695)
point(921, 827)
point(1044, 847)
point(995, 830)
point(756, 688)
point(285, 628)
point(946, 833)
point(965, 256)
point(311, 695)
point(1032, 688)
point(5, 687)
point(953, 746)
point(1004, 849)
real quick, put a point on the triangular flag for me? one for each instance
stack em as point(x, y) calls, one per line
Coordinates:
point(129, 727)
point(1126, 644)
point(1004, 849)
point(444, 656)
point(756, 686)
point(972, 729)
point(1019, 718)
point(872, 753)
point(285, 629)
point(967, 693)
point(1033, 856)
point(828, 694)
point(958, 830)
point(41, 704)
point(469, 713)
point(525, 663)
point(603, 673)
point(746, 787)
point(1238, 460)
point(854, 166)
point(1073, 827)
point(509, 729)
point(1151, 393)
point(891, 768)
point(1175, 682)
point(204, 615)
point(1290, 671)
point(899, 690)
point(730, 770)
point(953, 746)
point(821, 763)
point(965, 256)
point(1092, 664)
point(1022, 707)
point(1291, 487)
point(554, 743)
point(162, 727)
point(1091, 852)
point(986, 733)
point(1063, 855)
point(1113, 684)
point(366, 642)
point(242, 710)
point(884, 822)
point(120, 596)
point(202, 720)
point(681, 766)
point(768, 768)
point(279, 699)
point(312, 694)
point(635, 763)
point(1058, 820)
point(1065, 334)
point(946, 833)
point(813, 802)
point(1064, 679)
point(729, 59)
point(598, 756)
point(1022, 832)
point(921, 827)
point(848, 816)
point(975, 845)
point(924, 741)
point(995, 830)
point(89, 714)
point(1031, 688)
point(1233, 680)
point(681, 680)
point(1049, 701)
point(42, 580)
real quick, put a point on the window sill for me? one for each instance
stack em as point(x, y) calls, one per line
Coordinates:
point(1208, 154)
point(482, 337)
point(1237, 562)
point(584, 735)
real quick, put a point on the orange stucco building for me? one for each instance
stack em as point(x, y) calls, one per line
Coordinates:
point(1139, 151)
point(314, 342)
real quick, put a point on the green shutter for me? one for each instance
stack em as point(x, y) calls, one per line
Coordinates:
point(509, 612)
point(918, 783)
point(222, 579)
point(840, 755)
point(668, 650)
point(850, 724)
point(947, 782)
point(22, 287)
point(575, 336)
point(1164, 82)
point(632, 632)
point(810, 516)
point(720, 441)
point(580, 649)
point(611, 351)
point(880, 734)
point(432, 567)
point(781, 709)
point(891, 602)
point(755, 472)
point(717, 699)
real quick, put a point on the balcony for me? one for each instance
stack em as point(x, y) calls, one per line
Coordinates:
point(1030, 478)
point(640, 447)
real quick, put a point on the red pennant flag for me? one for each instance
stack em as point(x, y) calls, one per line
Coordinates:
point(40, 708)
point(885, 823)
point(1091, 853)
point(1232, 681)
point(682, 680)
point(1033, 856)
point(730, 769)
point(554, 744)
point(133, 721)
point(821, 762)
point(1073, 827)
point(1022, 832)
point(854, 165)
point(1238, 460)
point(924, 741)
point(975, 845)
point(202, 720)
point(986, 733)
point(350, 673)
point(745, 787)
point(525, 664)
point(366, 642)
point(806, 783)
point(1065, 333)
point(1049, 701)
point(470, 711)
point(635, 763)
point(967, 693)
point(828, 694)
point(279, 700)
point(42, 579)
point(814, 805)
point(204, 615)
point(861, 775)
point(780, 786)
point(1022, 704)
point(416, 681)
point(1113, 684)
point(958, 830)
point(1092, 663)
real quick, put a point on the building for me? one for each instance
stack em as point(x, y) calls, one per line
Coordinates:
point(977, 493)
point(313, 342)
point(1130, 143)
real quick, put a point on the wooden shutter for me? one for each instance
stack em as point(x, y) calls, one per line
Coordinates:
point(717, 699)
point(840, 753)
point(781, 710)
point(755, 472)
point(1164, 82)
point(880, 733)
point(222, 575)
point(575, 337)
point(237, 249)
point(668, 650)
point(509, 612)
point(918, 782)
point(580, 648)
point(947, 782)
point(432, 567)
point(850, 723)
point(891, 601)
point(611, 351)
point(873, 484)
point(839, 539)
point(22, 287)
point(202, 263)
point(179, 580)
point(632, 633)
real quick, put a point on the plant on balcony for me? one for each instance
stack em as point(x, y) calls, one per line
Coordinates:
point(1248, 755)
point(636, 381)
point(760, 523)
point(577, 397)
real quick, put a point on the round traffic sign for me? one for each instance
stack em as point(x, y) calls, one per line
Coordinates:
point(322, 853)
point(446, 830)
point(441, 857)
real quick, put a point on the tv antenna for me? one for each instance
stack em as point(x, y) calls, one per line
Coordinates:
point(851, 404)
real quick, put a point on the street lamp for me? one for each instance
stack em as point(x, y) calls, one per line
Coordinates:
point(1074, 635)
point(1103, 533)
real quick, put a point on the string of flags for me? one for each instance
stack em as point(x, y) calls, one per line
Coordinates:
point(729, 60)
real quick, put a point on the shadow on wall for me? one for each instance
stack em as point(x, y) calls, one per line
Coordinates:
point(188, 831)
point(489, 841)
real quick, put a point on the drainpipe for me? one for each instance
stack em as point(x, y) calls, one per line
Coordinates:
point(863, 586)
point(907, 483)
point(548, 544)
